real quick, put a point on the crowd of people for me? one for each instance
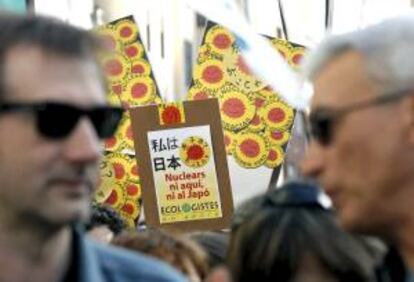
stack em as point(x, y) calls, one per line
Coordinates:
point(54, 116)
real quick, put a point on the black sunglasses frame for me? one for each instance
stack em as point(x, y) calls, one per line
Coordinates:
point(321, 121)
point(56, 120)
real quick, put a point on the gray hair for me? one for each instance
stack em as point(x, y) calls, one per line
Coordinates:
point(387, 49)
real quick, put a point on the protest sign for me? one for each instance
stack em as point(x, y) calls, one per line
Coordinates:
point(183, 167)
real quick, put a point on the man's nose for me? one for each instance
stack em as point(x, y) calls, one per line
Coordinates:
point(313, 162)
point(83, 144)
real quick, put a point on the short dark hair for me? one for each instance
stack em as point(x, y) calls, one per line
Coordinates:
point(105, 215)
point(48, 34)
point(270, 242)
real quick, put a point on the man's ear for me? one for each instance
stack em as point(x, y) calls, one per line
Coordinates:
point(219, 274)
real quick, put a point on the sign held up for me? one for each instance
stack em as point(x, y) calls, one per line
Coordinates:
point(182, 159)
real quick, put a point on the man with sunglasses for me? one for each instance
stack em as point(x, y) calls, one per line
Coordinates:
point(362, 134)
point(53, 117)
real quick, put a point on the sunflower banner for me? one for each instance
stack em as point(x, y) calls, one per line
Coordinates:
point(183, 165)
point(256, 121)
point(130, 83)
point(129, 74)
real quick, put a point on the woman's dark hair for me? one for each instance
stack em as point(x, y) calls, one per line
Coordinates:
point(269, 241)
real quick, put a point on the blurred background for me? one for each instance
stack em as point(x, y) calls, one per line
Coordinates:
point(171, 33)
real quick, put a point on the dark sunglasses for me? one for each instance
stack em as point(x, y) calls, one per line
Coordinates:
point(57, 120)
point(321, 121)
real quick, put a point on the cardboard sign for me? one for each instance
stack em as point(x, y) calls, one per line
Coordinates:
point(183, 166)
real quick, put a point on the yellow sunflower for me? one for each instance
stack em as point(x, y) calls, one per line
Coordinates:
point(112, 143)
point(195, 152)
point(278, 115)
point(115, 66)
point(130, 209)
point(134, 50)
point(236, 110)
point(139, 91)
point(219, 38)
point(277, 137)
point(133, 190)
point(275, 157)
point(121, 165)
point(116, 198)
point(140, 67)
point(126, 31)
point(251, 150)
point(210, 74)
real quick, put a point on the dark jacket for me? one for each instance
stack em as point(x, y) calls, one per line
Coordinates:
point(392, 268)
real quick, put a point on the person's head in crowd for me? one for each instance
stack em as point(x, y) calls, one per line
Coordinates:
point(287, 234)
point(50, 81)
point(362, 129)
point(179, 251)
point(215, 244)
point(54, 117)
point(104, 223)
